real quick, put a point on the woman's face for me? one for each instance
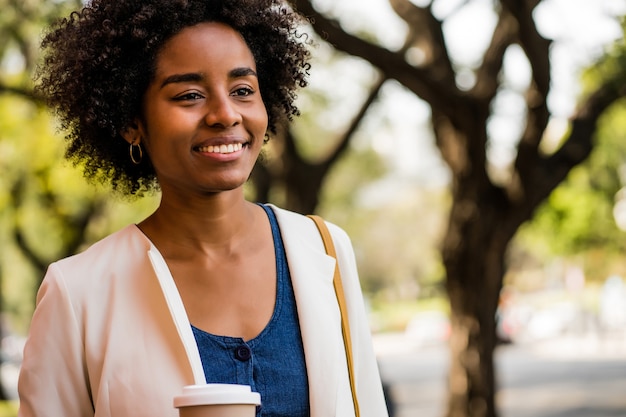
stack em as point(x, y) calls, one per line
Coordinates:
point(204, 120)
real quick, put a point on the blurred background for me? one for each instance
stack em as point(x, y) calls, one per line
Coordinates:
point(475, 152)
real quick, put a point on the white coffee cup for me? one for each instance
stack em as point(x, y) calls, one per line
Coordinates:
point(217, 400)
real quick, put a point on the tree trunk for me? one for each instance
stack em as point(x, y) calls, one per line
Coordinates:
point(479, 229)
point(473, 288)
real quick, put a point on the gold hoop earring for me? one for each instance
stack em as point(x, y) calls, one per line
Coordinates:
point(135, 160)
point(266, 138)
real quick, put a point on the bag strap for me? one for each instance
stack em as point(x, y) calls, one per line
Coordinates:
point(345, 327)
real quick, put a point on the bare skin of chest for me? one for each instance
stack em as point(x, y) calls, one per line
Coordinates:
point(231, 297)
point(225, 271)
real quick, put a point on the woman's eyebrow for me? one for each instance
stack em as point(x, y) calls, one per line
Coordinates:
point(199, 77)
point(242, 72)
point(183, 78)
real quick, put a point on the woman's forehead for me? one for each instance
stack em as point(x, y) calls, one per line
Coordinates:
point(208, 41)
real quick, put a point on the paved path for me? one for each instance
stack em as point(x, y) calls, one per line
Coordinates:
point(565, 377)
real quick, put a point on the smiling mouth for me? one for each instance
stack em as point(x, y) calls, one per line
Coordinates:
point(221, 149)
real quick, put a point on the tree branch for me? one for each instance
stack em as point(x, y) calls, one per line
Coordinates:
point(579, 143)
point(504, 34)
point(426, 34)
point(17, 191)
point(356, 121)
point(537, 50)
point(26, 93)
point(440, 95)
point(536, 47)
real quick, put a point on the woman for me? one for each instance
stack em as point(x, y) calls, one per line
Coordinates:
point(180, 95)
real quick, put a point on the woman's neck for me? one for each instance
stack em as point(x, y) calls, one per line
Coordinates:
point(217, 223)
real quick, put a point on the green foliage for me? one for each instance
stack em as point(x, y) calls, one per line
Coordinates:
point(47, 210)
point(577, 220)
point(43, 198)
point(576, 217)
point(8, 408)
point(611, 64)
point(23, 149)
point(21, 25)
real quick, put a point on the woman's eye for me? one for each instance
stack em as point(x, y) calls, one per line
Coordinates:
point(189, 97)
point(243, 91)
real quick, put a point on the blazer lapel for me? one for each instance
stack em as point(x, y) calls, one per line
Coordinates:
point(178, 313)
point(320, 321)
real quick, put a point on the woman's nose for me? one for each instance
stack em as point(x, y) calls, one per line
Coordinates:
point(222, 112)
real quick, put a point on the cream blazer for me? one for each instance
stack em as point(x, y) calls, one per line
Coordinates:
point(110, 336)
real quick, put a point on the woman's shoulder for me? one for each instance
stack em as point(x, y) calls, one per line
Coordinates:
point(109, 252)
point(291, 221)
point(106, 265)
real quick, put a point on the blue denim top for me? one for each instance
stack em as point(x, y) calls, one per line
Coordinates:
point(273, 362)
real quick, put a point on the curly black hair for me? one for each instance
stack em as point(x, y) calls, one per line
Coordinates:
point(99, 61)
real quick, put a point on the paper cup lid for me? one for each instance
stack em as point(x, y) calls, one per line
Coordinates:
point(216, 394)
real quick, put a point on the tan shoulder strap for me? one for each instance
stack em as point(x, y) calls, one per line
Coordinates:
point(345, 327)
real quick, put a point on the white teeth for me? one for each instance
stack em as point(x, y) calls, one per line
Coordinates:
point(221, 148)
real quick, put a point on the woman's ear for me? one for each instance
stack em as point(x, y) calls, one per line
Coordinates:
point(131, 133)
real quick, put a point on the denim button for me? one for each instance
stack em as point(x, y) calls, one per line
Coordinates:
point(243, 353)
